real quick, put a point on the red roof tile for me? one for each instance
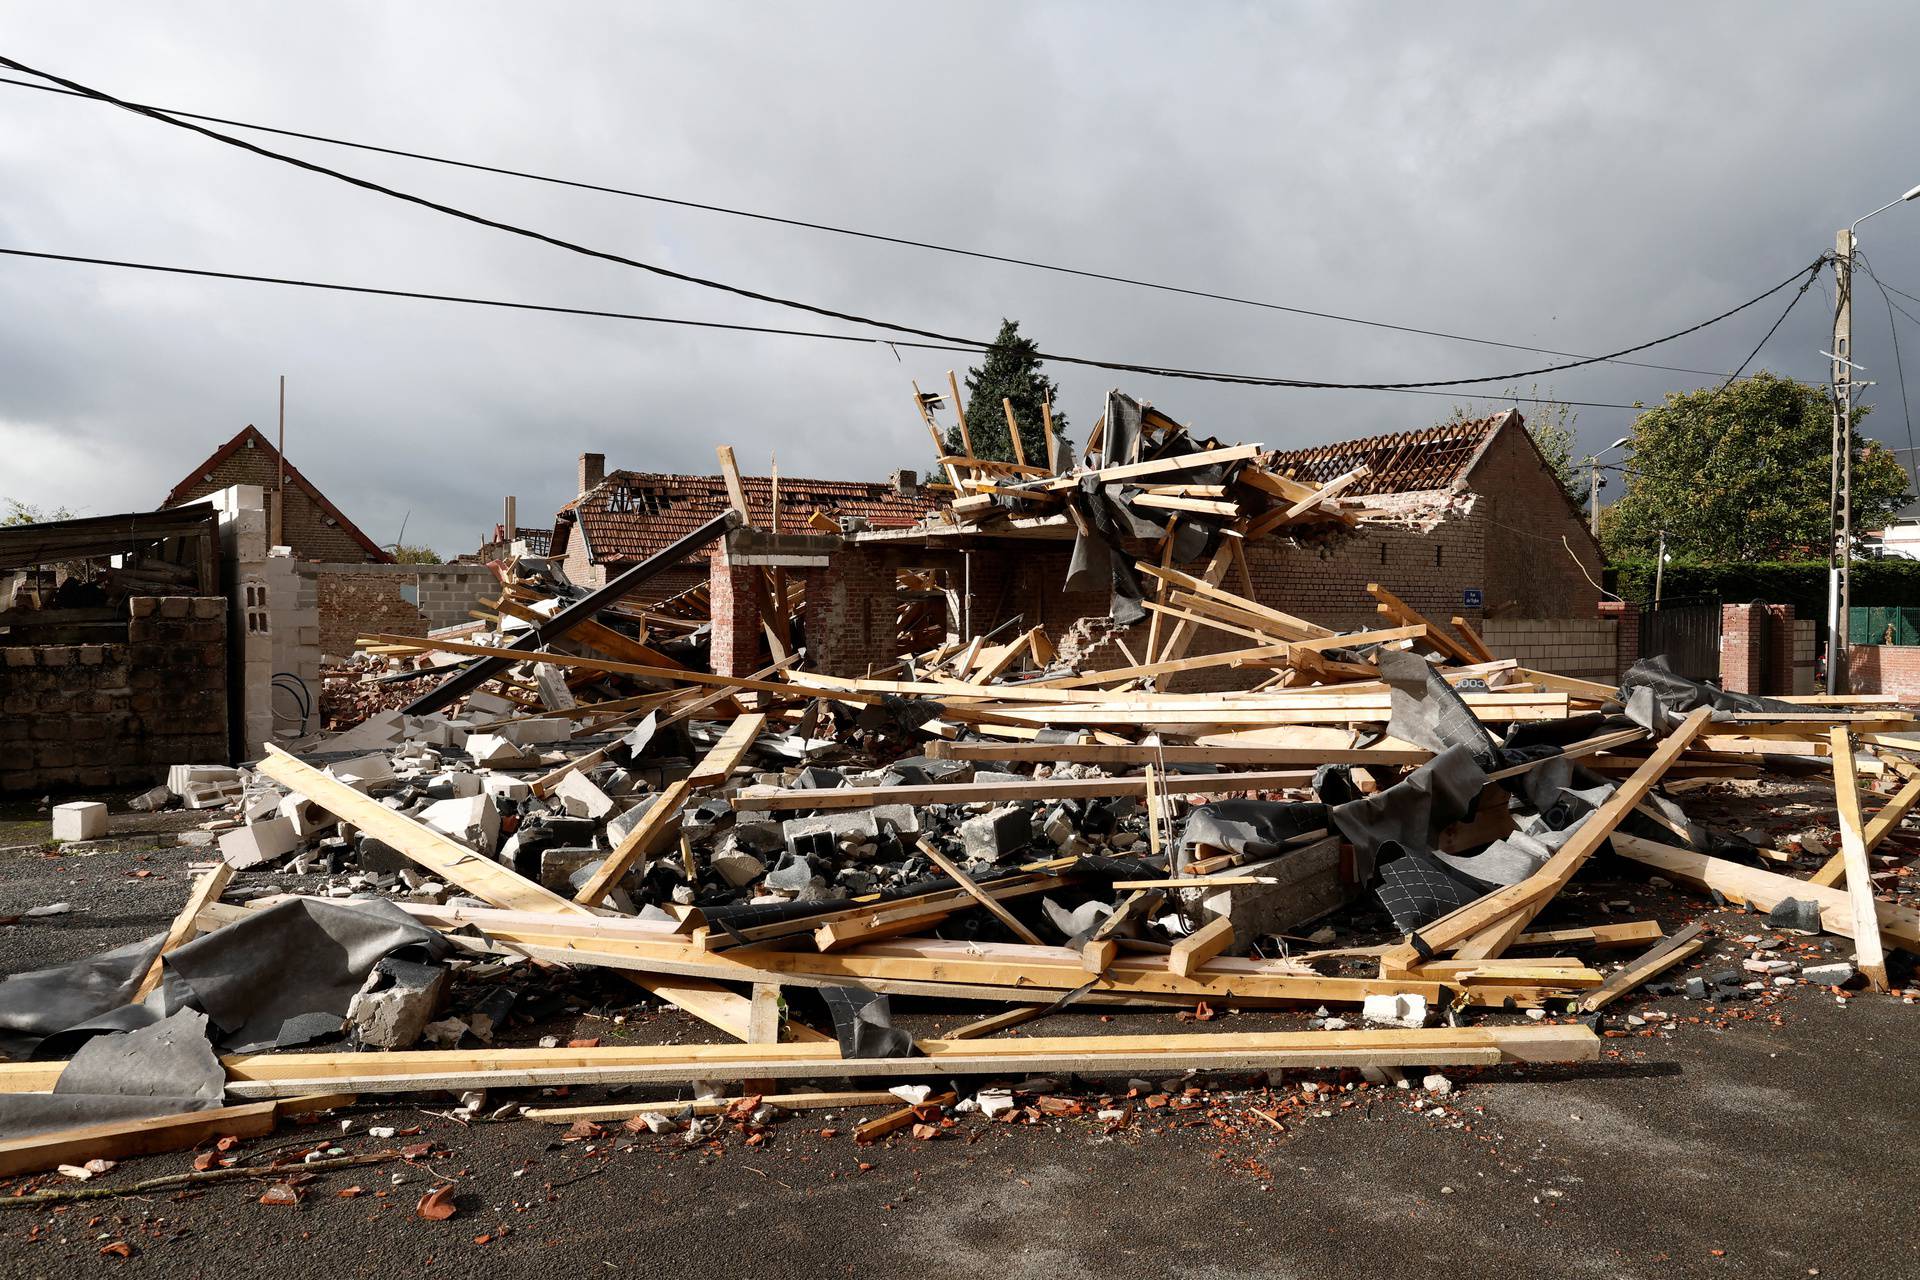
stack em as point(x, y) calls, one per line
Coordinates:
point(1405, 462)
point(632, 514)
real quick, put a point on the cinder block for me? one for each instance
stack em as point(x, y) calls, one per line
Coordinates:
point(258, 843)
point(80, 820)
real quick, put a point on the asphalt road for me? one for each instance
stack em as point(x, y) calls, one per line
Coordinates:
point(1770, 1140)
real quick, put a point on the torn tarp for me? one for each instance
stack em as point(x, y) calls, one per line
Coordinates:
point(1261, 828)
point(863, 1024)
point(1426, 711)
point(1658, 697)
point(1409, 814)
point(279, 977)
point(161, 1069)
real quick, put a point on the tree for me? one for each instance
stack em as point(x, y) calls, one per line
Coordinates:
point(1742, 474)
point(404, 554)
point(1550, 423)
point(19, 512)
point(1010, 371)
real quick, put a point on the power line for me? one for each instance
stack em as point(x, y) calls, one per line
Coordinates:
point(1792, 302)
point(904, 241)
point(593, 313)
point(1898, 366)
point(829, 313)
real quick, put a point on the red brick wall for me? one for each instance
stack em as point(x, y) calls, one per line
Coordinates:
point(1754, 637)
point(353, 605)
point(1883, 668)
point(739, 645)
point(306, 526)
point(1627, 638)
point(1537, 544)
point(852, 605)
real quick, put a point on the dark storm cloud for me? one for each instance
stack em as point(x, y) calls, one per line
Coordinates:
point(1581, 179)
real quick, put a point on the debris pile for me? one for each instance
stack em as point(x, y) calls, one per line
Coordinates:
point(1344, 855)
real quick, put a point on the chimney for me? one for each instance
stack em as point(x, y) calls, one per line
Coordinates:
point(593, 469)
point(509, 518)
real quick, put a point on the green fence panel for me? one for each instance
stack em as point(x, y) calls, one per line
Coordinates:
point(1883, 624)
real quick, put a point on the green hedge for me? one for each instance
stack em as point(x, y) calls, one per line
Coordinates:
point(1802, 584)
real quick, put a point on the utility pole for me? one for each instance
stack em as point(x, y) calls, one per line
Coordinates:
point(280, 465)
point(1840, 549)
point(1593, 497)
point(1659, 569)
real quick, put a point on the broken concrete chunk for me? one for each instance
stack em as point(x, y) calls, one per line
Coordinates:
point(79, 820)
point(992, 836)
point(1800, 915)
point(1829, 975)
point(737, 867)
point(533, 733)
point(560, 865)
point(503, 786)
point(259, 843)
point(396, 1003)
point(308, 819)
point(454, 784)
point(492, 751)
point(180, 777)
point(581, 798)
point(794, 874)
point(362, 773)
point(552, 683)
point(1395, 1010)
point(151, 801)
point(472, 820)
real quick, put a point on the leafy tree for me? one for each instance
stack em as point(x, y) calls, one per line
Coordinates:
point(405, 554)
point(19, 512)
point(1550, 423)
point(1010, 371)
point(1742, 474)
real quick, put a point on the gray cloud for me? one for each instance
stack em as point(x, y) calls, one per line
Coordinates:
point(1580, 178)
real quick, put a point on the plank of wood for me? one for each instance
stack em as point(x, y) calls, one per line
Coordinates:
point(1400, 611)
point(959, 876)
point(994, 792)
point(1200, 946)
point(730, 472)
point(1107, 1055)
point(1661, 957)
point(122, 1139)
point(660, 820)
point(1487, 925)
point(1331, 489)
point(1868, 952)
point(1596, 935)
point(709, 1106)
point(1765, 890)
point(1471, 639)
point(894, 1121)
point(206, 889)
point(1014, 1017)
point(726, 754)
point(1151, 753)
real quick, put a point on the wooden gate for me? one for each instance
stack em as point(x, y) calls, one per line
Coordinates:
point(1687, 632)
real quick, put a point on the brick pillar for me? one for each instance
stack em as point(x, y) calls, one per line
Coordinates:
point(1779, 647)
point(1626, 638)
point(739, 647)
point(852, 612)
point(1740, 647)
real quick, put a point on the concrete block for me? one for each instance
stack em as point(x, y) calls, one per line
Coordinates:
point(181, 776)
point(258, 843)
point(737, 867)
point(309, 819)
point(560, 864)
point(581, 798)
point(363, 773)
point(491, 750)
point(80, 820)
point(994, 835)
point(857, 824)
point(1829, 975)
point(534, 733)
point(398, 1001)
point(502, 786)
point(1306, 885)
point(472, 820)
point(1395, 1010)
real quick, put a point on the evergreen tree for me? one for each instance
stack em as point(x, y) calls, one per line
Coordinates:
point(1011, 371)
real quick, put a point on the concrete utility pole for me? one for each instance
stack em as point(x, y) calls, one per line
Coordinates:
point(1840, 499)
point(1660, 569)
point(1595, 484)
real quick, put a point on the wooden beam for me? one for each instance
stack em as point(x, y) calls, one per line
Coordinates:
point(708, 1106)
point(1400, 611)
point(1013, 432)
point(993, 792)
point(1884, 824)
point(960, 412)
point(1665, 954)
point(973, 890)
point(1200, 946)
point(1474, 643)
point(1868, 952)
point(124, 1139)
point(661, 819)
point(205, 890)
point(736, 492)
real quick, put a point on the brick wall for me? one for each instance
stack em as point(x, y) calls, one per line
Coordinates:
point(852, 606)
point(1588, 648)
point(306, 526)
point(354, 599)
point(118, 714)
point(1627, 636)
point(352, 606)
point(1541, 562)
point(1884, 668)
point(739, 645)
point(1757, 648)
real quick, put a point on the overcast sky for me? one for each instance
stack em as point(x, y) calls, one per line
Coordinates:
point(1578, 178)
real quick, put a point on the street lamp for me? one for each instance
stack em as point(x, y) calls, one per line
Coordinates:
point(1840, 549)
point(1594, 482)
